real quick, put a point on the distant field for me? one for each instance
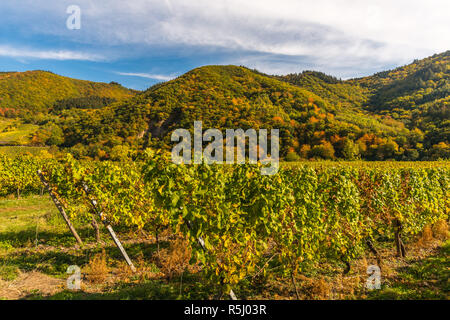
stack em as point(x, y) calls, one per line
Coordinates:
point(15, 132)
point(16, 150)
point(371, 164)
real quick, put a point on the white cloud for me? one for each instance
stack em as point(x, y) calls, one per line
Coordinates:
point(148, 76)
point(334, 32)
point(324, 28)
point(8, 51)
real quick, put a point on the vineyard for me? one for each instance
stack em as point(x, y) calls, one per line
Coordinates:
point(240, 225)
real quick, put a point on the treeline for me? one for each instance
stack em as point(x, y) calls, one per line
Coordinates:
point(417, 95)
point(92, 102)
point(33, 92)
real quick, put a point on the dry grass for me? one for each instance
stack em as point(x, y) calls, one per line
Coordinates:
point(144, 272)
point(175, 260)
point(97, 270)
point(441, 230)
point(124, 272)
point(320, 289)
point(426, 237)
point(327, 284)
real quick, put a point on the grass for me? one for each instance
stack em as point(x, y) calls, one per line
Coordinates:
point(15, 132)
point(15, 136)
point(370, 164)
point(13, 151)
point(17, 215)
point(8, 273)
point(145, 290)
point(422, 279)
point(34, 239)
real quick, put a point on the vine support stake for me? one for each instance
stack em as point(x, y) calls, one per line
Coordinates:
point(294, 283)
point(109, 228)
point(375, 252)
point(348, 266)
point(401, 250)
point(201, 242)
point(60, 207)
point(96, 229)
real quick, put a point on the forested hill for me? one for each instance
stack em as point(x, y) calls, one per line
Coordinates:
point(38, 91)
point(236, 97)
point(417, 94)
point(401, 114)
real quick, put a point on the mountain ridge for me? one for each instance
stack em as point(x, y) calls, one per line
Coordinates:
point(231, 97)
point(377, 117)
point(38, 90)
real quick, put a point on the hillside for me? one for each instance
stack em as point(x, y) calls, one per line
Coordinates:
point(236, 97)
point(37, 91)
point(337, 92)
point(401, 114)
point(418, 94)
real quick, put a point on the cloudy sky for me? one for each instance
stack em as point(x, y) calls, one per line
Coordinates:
point(142, 42)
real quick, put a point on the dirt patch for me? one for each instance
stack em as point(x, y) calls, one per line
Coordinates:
point(30, 282)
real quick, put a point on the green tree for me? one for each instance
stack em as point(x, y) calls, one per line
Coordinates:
point(324, 151)
point(119, 153)
point(350, 150)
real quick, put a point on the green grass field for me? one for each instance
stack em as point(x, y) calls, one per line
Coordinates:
point(14, 132)
point(370, 164)
point(15, 137)
point(36, 249)
point(13, 151)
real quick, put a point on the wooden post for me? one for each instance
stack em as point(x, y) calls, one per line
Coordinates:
point(295, 285)
point(401, 250)
point(201, 242)
point(59, 207)
point(375, 252)
point(96, 229)
point(119, 245)
point(348, 266)
point(109, 228)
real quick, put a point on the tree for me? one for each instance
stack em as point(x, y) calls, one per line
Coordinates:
point(56, 136)
point(304, 151)
point(440, 151)
point(350, 150)
point(292, 157)
point(119, 153)
point(387, 150)
point(50, 134)
point(411, 155)
point(324, 151)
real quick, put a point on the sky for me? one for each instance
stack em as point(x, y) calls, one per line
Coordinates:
point(142, 42)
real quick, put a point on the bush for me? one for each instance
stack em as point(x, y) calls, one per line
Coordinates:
point(292, 157)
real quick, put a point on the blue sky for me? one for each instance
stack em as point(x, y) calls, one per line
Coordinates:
point(141, 42)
